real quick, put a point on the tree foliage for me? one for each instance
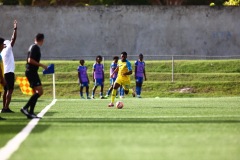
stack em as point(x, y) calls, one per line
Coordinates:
point(232, 3)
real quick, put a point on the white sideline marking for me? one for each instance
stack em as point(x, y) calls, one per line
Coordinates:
point(15, 142)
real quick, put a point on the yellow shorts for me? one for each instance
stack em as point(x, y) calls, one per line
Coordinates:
point(124, 82)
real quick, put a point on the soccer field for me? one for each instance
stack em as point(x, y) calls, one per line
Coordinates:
point(145, 129)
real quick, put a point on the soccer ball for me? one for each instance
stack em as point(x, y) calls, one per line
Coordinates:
point(119, 105)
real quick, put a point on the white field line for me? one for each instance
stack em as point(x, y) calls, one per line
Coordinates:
point(15, 142)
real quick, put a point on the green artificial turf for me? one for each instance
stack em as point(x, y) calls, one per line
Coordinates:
point(147, 128)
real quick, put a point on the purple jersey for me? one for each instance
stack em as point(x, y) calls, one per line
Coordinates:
point(112, 68)
point(98, 71)
point(140, 68)
point(83, 73)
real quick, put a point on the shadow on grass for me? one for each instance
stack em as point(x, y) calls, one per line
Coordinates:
point(14, 128)
point(142, 120)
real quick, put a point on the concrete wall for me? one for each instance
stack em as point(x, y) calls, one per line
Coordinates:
point(72, 32)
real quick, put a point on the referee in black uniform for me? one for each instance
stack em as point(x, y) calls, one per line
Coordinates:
point(32, 66)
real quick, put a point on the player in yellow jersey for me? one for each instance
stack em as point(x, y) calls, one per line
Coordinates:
point(124, 70)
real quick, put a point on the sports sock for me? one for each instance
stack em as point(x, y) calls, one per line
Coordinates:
point(30, 101)
point(114, 91)
point(34, 101)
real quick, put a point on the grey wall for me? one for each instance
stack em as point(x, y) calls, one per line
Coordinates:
point(153, 30)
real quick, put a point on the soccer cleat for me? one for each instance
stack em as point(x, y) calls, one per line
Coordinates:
point(110, 104)
point(24, 111)
point(82, 97)
point(88, 97)
point(121, 97)
point(138, 96)
point(92, 97)
point(7, 110)
point(32, 116)
point(106, 96)
point(101, 97)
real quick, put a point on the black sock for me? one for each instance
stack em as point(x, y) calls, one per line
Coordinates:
point(32, 101)
point(32, 105)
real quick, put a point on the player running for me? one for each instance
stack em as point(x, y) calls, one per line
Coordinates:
point(124, 70)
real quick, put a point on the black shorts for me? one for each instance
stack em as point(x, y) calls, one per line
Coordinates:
point(9, 78)
point(33, 79)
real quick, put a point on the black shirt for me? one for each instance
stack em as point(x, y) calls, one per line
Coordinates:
point(33, 53)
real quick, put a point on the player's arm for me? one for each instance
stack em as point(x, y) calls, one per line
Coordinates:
point(35, 63)
point(87, 77)
point(144, 74)
point(116, 70)
point(129, 69)
point(103, 75)
point(93, 75)
point(135, 70)
point(79, 77)
point(14, 35)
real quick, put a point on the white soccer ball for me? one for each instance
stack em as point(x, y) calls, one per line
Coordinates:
point(119, 105)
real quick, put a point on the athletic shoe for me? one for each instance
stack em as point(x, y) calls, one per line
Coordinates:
point(88, 97)
point(101, 97)
point(110, 105)
point(138, 96)
point(32, 116)
point(24, 111)
point(92, 97)
point(106, 96)
point(6, 111)
point(2, 118)
point(121, 97)
point(82, 97)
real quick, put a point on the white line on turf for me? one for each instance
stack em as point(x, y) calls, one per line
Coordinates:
point(15, 142)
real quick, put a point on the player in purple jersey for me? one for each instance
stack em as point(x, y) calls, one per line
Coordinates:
point(83, 79)
point(139, 74)
point(112, 80)
point(98, 76)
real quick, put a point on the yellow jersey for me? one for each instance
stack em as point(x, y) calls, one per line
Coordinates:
point(123, 68)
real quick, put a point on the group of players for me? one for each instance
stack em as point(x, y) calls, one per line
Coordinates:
point(120, 72)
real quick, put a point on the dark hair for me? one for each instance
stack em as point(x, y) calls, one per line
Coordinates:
point(81, 60)
point(124, 53)
point(140, 54)
point(39, 37)
point(115, 57)
point(99, 57)
point(1, 40)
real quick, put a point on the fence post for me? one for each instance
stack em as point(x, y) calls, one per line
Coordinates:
point(172, 68)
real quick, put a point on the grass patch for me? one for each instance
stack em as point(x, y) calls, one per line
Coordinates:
point(205, 77)
point(161, 128)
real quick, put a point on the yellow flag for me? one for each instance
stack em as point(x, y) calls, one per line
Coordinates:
point(24, 85)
